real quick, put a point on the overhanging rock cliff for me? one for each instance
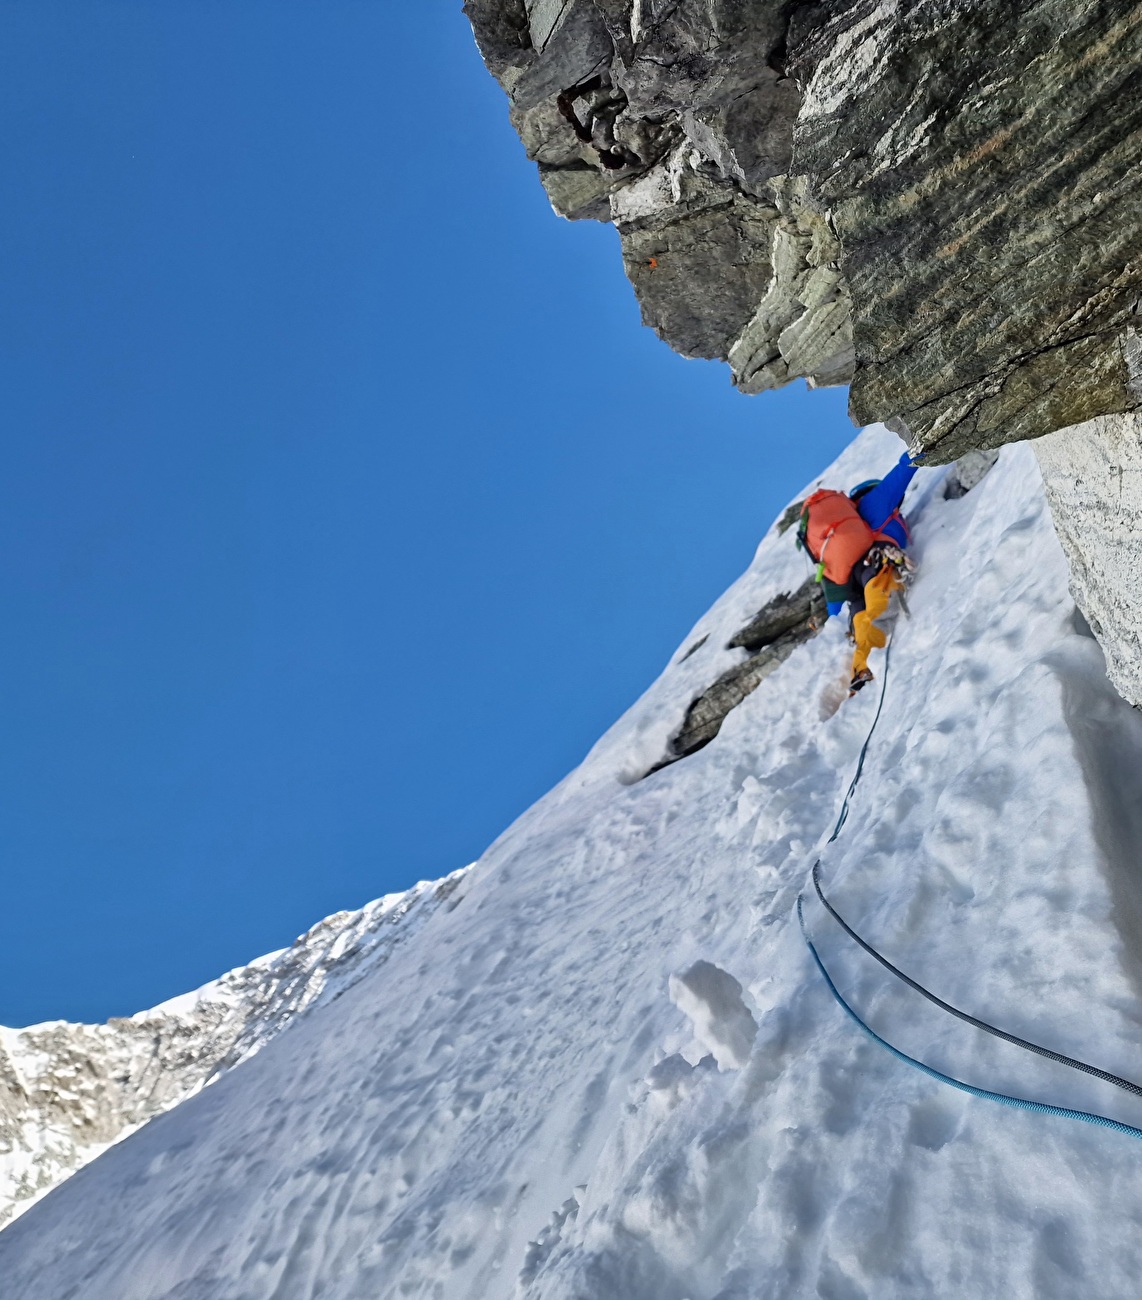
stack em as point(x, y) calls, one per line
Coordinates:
point(936, 203)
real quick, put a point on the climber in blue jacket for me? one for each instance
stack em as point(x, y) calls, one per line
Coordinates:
point(878, 503)
point(862, 560)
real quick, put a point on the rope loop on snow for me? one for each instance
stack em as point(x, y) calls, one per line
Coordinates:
point(1005, 1099)
point(1027, 1046)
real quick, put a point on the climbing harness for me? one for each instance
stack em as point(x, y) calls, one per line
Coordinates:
point(1022, 1103)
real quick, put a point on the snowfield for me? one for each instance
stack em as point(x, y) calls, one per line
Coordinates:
point(609, 1070)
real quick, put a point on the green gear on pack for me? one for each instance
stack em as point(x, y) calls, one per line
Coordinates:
point(835, 536)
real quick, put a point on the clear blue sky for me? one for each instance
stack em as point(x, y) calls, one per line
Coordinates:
point(344, 501)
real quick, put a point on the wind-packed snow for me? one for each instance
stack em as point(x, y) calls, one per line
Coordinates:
point(522, 1102)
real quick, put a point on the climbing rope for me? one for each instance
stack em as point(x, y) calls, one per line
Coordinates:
point(1022, 1103)
point(844, 813)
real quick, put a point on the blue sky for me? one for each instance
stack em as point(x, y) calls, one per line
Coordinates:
point(345, 502)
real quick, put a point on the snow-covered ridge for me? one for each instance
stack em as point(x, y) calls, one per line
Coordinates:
point(67, 1091)
point(613, 1072)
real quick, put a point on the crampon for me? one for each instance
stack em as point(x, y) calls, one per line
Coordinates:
point(859, 681)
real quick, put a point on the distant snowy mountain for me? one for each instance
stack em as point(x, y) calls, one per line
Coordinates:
point(68, 1091)
point(601, 1065)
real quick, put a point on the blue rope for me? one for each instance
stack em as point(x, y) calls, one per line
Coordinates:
point(1004, 1099)
point(1125, 1084)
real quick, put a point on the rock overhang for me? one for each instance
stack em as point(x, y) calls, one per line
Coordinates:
point(934, 202)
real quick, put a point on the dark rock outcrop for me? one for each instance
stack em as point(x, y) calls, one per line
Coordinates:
point(705, 716)
point(771, 636)
point(786, 613)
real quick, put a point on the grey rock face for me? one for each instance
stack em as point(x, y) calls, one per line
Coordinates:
point(675, 121)
point(979, 162)
point(679, 227)
point(1093, 477)
point(937, 200)
point(968, 472)
point(67, 1091)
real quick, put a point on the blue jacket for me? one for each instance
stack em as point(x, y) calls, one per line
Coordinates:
point(879, 503)
point(883, 500)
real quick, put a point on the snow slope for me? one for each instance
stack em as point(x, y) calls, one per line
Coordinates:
point(522, 1102)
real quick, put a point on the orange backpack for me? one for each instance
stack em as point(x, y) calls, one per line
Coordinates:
point(834, 534)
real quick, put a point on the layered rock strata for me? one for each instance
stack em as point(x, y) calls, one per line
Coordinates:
point(937, 202)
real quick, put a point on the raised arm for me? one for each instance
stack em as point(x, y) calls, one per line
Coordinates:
point(879, 502)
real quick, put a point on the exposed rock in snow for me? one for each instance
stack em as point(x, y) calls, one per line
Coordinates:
point(786, 612)
point(68, 1091)
point(509, 1105)
point(968, 472)
point(770, 637)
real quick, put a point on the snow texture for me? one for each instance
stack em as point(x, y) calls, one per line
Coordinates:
point(712, 999)
point(512, 1107)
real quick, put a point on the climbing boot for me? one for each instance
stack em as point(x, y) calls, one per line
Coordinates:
point(859, 681)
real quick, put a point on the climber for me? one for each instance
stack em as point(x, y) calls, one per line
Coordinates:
point(858, 542)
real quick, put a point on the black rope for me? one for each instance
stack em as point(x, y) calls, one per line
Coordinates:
point(863, 752)
point(1004, 1098)
point(1059, 1057)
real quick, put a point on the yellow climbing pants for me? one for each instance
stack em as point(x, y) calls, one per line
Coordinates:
point(877, 593)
